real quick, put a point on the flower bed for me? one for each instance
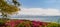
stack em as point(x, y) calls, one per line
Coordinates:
point(26, 23)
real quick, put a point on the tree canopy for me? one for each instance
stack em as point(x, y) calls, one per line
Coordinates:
point(5, 8)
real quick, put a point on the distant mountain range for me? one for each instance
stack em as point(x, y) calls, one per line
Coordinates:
point(35, 16)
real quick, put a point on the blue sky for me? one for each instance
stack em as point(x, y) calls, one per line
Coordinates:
point(40, 7)
point(40, 3)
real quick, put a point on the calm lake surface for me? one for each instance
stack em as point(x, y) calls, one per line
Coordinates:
point(39, 18)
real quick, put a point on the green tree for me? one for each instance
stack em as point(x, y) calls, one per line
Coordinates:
point(6, 9)
point(16, 3)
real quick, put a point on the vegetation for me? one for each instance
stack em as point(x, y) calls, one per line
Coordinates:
point(6, 9)
point(53, 25)
point(26, 23)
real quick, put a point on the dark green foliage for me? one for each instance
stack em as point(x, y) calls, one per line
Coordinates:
point(15, 2)
point(6, 9)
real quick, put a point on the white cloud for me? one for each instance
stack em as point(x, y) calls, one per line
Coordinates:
point(39, 11)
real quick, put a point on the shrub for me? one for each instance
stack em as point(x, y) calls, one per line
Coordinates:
point(2, 23)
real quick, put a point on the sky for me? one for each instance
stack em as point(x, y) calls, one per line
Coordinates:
point(40, 3)
point(40, 7)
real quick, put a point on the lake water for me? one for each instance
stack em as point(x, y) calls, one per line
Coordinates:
point(39, 18)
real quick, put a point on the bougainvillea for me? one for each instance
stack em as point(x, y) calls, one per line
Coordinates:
point(26, 23)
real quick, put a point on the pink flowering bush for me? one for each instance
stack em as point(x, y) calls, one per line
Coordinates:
point(25, 23)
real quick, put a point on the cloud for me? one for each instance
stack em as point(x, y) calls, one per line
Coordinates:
point(39, 11)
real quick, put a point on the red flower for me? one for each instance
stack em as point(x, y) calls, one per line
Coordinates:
point(13, 23)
